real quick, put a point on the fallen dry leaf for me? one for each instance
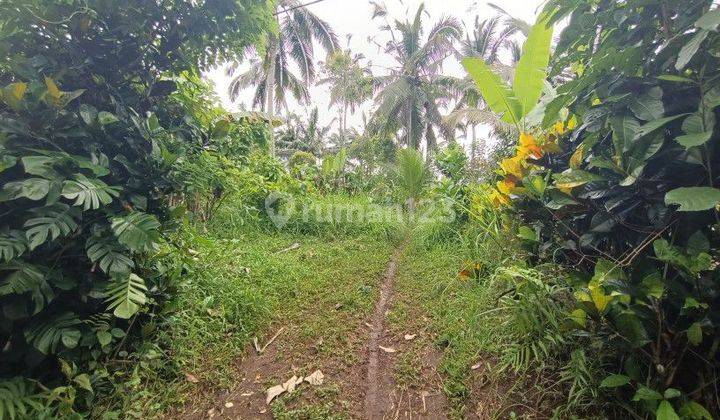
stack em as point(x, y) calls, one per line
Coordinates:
point(409, 337)
point(274, 392)
point(228, 404)
point(315, 378)
point(387, 349)
point(476, 366)
point(246, 394)
point(369, 325)
point(191, 378)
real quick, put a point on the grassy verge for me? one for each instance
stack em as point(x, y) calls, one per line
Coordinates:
point(241, 279)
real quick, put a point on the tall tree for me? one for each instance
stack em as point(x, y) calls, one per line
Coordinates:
point(271, 74)
point(350, 83)
point(410, 97)
point(487, 39)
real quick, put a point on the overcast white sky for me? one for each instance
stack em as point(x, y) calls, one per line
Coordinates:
point(351, 20)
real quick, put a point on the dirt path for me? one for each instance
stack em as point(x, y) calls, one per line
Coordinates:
point(371, 369)
point(377, 403)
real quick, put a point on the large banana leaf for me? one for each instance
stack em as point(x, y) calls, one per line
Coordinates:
point(497, 94)
point(531, 70)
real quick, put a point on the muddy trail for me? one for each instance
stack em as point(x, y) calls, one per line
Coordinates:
point(354, 371)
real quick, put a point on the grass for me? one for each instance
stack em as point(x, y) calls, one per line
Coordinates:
point(242, 283)
point(428, 287)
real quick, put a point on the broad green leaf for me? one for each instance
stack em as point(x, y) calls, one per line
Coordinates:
point(709, 21)
point(631, 328)
point(689, 50)
point(693, 140)
point(579, 316)
point(499, 97)
point(88, 193)
point(694, 411)
point(646, 394)
point(649, 106)
point(657, 124)
point(88, 113)
point(653, 285)
point(109, 255)
point(83, 380)
point(614, 381)
point(26, 278)
point(531, 70)
point(12, 244)
point(46, 334)
point(695, 334)
point(693, 198)
point(675, 78)
point(53, 222)
point(138, 231)
point(105, 118)
point(671, 393)
point(574, 178)
point(625, 129)
point(527, 233)
point(665, 411)
point(7, 162)
point(32, 188)
point(104, 337)
point(698, 243)
point(126, 296)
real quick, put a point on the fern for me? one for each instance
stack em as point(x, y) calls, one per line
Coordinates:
point(109, 255)
point(12, 244)
point(53, 221)
point(88, 193)
point(26, 278)
point(138, 231)
point(18, 399)
point(46, 334)
point(126, 296)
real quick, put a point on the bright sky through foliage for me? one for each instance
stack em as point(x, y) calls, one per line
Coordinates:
point(351, 20)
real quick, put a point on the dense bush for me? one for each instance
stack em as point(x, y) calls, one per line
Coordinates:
point(90, 130)
point(624, 191)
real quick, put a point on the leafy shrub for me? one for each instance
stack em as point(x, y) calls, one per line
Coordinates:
point(623, 190)
point(87, 133)
point(452, 162)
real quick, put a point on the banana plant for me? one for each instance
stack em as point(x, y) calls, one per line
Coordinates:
point(515, 102)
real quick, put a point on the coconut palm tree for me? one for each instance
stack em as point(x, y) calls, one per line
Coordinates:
point(350, 83)
point(486, 40)
point(297, 135)
point(410, 97)
point(271, 74)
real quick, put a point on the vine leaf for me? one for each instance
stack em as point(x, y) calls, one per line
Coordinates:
point(88, 193)
point(53, 222)
point(138, 231)
point(109, 255)
point(126, 296)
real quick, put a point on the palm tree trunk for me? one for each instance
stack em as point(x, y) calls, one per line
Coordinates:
point(473, 148)
point(270, 94)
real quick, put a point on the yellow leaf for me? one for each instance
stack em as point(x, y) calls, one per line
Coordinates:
point(52, 88)
point(566, 190)
point(599, 298)
point(577, 157)
point(17, 90)
point(578, 315)
point(596, 101)
point(559, 127)
point(514, 166)
point(572, 123)
point(505, 186)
